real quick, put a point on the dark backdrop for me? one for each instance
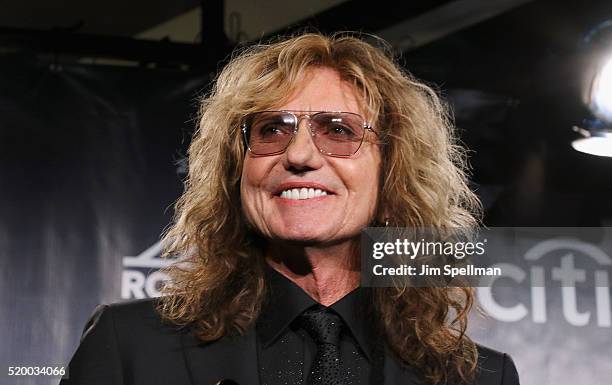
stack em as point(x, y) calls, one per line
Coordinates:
point(90, 167)
point(89, 170)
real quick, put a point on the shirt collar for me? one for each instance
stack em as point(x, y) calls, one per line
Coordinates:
point(286, 301)
point(353, 308)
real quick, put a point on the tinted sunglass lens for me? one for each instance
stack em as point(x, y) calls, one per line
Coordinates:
point(338, 134)
point(269, 132)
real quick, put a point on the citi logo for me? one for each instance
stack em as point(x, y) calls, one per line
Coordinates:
point(542, 275)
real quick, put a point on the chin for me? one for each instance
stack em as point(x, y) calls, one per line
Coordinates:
point(301, 237)
point(302, 234)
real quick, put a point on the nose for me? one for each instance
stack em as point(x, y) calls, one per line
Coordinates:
point(302, 154)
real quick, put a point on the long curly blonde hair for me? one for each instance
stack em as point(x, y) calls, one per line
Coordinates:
point(219, 286)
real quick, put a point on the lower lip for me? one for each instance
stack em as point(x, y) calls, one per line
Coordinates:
point(302, 201)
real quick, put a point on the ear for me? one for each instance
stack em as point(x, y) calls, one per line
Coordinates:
point(384, 215)
point(382, 219)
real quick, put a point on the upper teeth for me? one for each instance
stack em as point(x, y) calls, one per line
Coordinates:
point(302, 193)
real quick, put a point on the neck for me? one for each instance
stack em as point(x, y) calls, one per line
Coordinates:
point(325, 273)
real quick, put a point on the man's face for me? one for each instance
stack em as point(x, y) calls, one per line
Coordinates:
point(351, 184)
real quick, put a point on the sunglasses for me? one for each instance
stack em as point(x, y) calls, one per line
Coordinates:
point(338, 134)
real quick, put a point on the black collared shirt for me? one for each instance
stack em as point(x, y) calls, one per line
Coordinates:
point(286, 351)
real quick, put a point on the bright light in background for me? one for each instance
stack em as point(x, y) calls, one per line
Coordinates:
point(601, 146)
point(597, 134)
point(601, 92)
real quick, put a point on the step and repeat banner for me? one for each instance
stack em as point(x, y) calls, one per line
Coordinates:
point(91, 161)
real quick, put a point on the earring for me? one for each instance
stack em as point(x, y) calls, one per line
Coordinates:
point(386, 222)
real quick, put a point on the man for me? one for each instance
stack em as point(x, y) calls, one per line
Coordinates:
point(301, 145)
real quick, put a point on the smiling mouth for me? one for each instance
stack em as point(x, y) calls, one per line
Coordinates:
point(302, 193)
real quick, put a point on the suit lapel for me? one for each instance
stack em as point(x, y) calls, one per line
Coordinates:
point(229, 358)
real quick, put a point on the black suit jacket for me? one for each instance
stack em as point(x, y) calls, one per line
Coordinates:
point(127, 343)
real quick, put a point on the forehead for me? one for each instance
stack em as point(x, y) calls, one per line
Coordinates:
point(322, 89)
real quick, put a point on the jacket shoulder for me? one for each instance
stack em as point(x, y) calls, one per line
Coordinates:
point(138, 323)
point(134, 310)
point(127, 343)
point(495, 368)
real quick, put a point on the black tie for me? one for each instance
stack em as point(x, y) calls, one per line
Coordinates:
point(324, 327)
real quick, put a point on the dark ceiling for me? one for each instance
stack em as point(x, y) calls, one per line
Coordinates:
point(109, 17)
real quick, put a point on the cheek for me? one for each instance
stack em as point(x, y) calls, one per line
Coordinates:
point(367, 180)
point(369, 195)
point(247, 184)
point(252, 183)
point(251, 175)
